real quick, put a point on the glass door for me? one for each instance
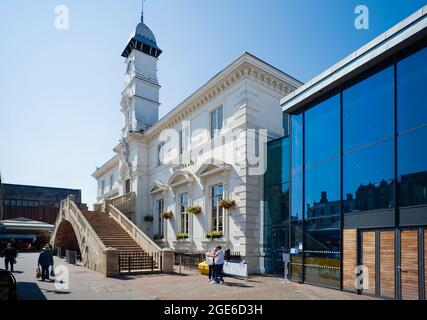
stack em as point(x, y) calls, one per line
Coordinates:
point(280, 243)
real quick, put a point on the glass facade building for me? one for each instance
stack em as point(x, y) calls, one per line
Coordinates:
point(358, 171)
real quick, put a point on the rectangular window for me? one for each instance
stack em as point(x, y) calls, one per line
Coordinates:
point(411, 88)
point(6, 202)
point(102, 186)
point(111, 181)
point(128, 188)
point(160, 154)
point(368, 110)
point(160, 206)
point(184, 221)
point(184, 142)
point(368, 182)
point(217, 121)
point(217, 217)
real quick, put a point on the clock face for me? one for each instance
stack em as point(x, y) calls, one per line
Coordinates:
point(130, 67)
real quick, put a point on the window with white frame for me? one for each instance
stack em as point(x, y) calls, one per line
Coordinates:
point(184, 140)
point(102, 186)
point(160, 206)
point(217, 121)
point(160, 153)
point(111, 182)
point(184, 221)
point(217, 213)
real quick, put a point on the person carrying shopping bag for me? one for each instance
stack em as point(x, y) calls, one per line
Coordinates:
point(45, 261)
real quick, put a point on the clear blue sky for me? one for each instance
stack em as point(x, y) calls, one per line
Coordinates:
point(60, 90)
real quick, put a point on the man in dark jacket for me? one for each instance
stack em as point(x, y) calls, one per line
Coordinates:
point(45, 261)
point(9, 255)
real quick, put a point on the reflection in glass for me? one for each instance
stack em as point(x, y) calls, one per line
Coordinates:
point(276, 205)
point(322, 251)
point(368, 178)
point(322, 189)
point(297, 148)
point(368, 110)
point(411, 91)
point(412, 168)
point(322, 131)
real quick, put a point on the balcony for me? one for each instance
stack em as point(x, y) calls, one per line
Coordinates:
point(125, 203)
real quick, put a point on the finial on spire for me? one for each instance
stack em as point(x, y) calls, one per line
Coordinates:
point(142, 12)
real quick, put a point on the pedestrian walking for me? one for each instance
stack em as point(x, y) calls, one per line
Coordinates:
point(219, 264)
point(45, 261)
point(210, 260)
point(9, 255)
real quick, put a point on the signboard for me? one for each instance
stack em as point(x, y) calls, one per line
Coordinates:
point(236, 269)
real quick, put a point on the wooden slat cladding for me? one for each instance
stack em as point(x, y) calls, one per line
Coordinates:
point(387, 267)
point(425, 264)
point(368, 259)
point(349, 259)
point(409, 264)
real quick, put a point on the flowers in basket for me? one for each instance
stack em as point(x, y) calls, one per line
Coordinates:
point(166, 215)
point(215, 235)
point(195, 210)
point(227, 204)
point(182, 236)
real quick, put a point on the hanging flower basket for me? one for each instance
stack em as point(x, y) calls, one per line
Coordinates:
point(215, 235)
point(227, 204)
point(148, 218)
point(182, 236)
point(194, 210)
point(166, 215)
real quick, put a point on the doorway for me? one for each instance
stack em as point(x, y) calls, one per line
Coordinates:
point(395, 262)
point(280, 243)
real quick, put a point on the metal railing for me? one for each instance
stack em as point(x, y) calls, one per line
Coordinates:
point(139, 261)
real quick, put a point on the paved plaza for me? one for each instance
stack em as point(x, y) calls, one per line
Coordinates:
point(85, 284)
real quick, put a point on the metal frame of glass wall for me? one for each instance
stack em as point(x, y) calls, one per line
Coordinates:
point(384, 210)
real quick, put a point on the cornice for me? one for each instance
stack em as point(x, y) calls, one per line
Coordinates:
point(245, 70)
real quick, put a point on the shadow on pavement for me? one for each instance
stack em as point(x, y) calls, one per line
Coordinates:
point(29, 291)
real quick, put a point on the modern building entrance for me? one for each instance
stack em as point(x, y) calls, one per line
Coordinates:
point(395, 261)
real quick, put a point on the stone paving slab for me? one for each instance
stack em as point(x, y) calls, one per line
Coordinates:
point(190, 285)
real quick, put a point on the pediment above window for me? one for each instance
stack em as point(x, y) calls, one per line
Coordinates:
point(211, 168)
point(180, 178)
point(157, 187)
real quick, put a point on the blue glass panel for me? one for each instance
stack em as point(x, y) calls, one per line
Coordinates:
point(411, 91)
point(322, 189)
point(296, 192)
point(276, 205)
point(368, 110)
point(368, 178)
point(322, 130)
point(412, 167)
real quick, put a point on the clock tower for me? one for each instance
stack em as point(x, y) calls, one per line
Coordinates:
point(140, 97)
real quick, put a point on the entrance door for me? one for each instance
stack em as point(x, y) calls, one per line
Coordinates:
point(408, 268)
point(390, 255)
point(280, 241)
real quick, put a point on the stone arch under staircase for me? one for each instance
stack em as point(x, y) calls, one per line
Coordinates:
point(107, 241)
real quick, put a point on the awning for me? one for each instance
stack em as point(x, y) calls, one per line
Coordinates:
point(18, 236)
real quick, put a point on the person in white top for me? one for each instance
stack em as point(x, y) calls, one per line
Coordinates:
point(219, 264)
point(210, 258)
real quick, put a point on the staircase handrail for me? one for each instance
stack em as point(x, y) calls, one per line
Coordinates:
point(137, 235)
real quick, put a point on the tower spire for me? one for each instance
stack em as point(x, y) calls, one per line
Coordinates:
point(142, 12)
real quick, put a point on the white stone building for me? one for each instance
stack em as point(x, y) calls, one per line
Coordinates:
point(207, 158)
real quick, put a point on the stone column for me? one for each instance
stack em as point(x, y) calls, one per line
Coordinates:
point(168, 260)
point(111, 262)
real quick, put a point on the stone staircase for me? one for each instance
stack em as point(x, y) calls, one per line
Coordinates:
point(131, 255)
